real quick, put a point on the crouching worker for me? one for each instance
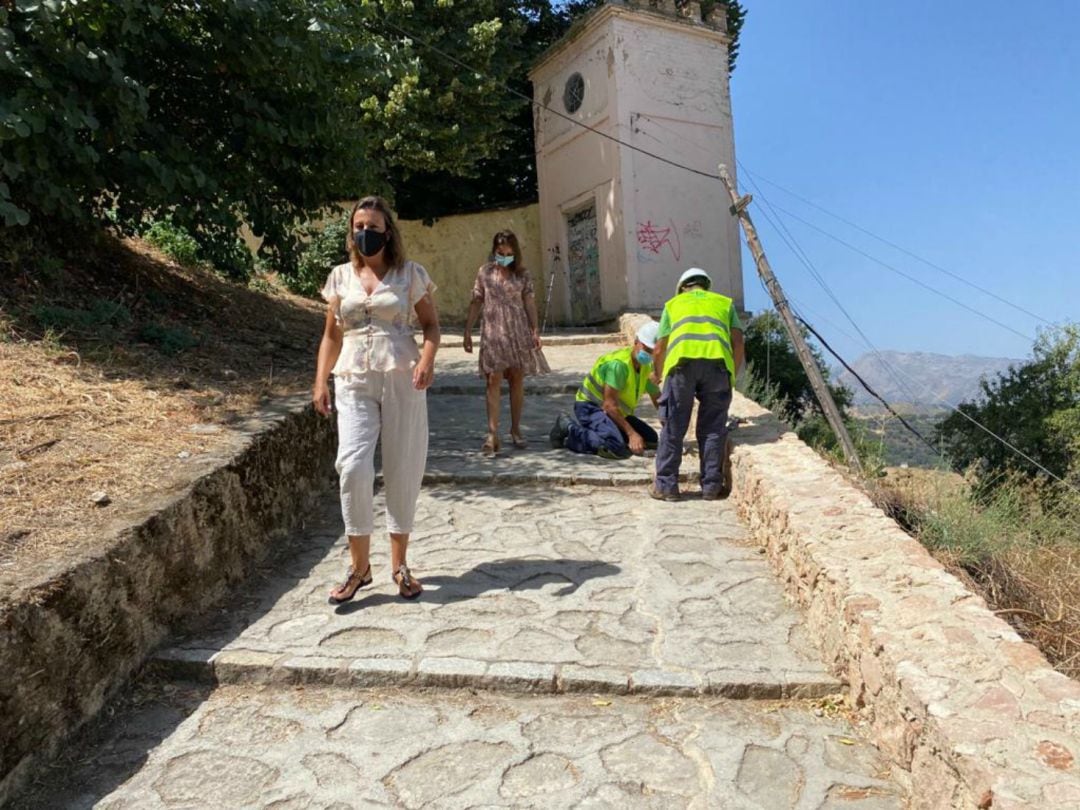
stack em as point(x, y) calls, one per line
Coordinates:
point(604, 408)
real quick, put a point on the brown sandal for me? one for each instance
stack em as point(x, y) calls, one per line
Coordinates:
point(406, 583)
point(490, 447)
point(519, 441)
point(353, 582)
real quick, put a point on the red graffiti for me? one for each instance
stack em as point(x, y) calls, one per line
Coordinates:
point(654, 237)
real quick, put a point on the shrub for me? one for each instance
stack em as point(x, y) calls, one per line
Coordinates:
point(751, 385)
point(325, 251)
point(167, 339)
point(102, 313)
point(173, 241)
point(226, 252)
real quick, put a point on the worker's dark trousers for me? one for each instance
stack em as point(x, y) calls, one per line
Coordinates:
point(707, 381)
point(595, 429)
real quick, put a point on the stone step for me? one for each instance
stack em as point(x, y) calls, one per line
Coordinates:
point(238, 666)
point(257, 746)
point(555, 589)
point(453, 339)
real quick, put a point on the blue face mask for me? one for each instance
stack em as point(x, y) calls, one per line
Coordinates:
point(644, 358)
point(504, 261)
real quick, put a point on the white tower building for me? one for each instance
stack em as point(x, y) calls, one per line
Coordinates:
point(618, 225)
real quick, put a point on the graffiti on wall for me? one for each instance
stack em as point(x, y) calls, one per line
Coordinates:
point(656, 239)
point(653, 238)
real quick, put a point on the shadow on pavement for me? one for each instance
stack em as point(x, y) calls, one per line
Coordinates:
point(511, 574)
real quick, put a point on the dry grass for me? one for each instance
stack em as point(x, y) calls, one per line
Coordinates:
point(110, 406)
point(1038, 590)
point(1023, 559)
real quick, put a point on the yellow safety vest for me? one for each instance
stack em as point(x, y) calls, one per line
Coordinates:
point(700, 329)
point(592, 387)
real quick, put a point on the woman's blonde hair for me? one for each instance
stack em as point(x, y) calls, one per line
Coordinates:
point(508, 238)
point(394, 252)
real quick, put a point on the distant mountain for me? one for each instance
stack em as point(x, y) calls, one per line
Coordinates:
point(921, 378)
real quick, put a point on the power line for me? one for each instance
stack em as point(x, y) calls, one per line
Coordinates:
point(999, 439)
point(792, 243)
point(450, 57)
point(801, 256)
point(692, 170)
point(901, 273)
point(542, 106)
point(866, 385)
point(900, 248)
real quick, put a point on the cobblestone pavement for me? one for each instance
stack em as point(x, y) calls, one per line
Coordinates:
point(575, 647)
point(583, 587)
point(335, 749)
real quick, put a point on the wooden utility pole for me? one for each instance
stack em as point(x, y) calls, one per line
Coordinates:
point(817, 381)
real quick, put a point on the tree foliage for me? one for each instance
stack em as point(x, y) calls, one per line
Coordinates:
point(1035, 407)
point(214, 112)
point(771, 354)
point(509, 175)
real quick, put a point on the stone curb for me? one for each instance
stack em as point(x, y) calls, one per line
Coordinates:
point(952, 693)
point(479, 390)
point(454, 341)
point(255, 667)
point(531, 479)
point(74, 633)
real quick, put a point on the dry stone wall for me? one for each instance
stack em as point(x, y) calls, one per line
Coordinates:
point(952, 693)
point(72, 636)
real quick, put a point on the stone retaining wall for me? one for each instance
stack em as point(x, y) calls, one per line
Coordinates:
point(951, 692)
point(72, 636)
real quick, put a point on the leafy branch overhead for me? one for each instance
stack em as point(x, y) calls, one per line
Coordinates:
point(208, 113)
point(507, 174)
point(214, 112)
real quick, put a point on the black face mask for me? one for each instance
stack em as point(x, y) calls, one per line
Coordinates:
point(369, 242)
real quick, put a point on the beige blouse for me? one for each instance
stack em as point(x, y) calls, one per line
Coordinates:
point(378, 327)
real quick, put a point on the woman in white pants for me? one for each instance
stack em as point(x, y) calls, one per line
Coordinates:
point(380, 384)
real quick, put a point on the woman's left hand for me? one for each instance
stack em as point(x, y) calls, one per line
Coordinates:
point(423, 375)
point(537, 342)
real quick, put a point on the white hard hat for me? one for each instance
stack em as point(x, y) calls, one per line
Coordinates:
point(693, 272)
point(646, 333)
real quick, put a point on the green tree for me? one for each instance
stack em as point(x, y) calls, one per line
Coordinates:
point(214, 112)
point(771, 355)
point(508, 176)
point(1035, 407)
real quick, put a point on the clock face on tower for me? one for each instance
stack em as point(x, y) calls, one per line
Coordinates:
point(573, 93)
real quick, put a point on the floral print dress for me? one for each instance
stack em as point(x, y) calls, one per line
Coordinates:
point(506, 341)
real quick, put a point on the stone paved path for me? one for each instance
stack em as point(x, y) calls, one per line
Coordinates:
point(562, 587)
point(577, 645)
point(336, 749)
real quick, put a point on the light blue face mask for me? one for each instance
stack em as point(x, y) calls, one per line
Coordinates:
point(644, 358)
point(504, 261)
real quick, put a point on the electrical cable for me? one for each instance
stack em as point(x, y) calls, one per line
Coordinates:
point(792, 243)
point(678, 165)
point(692, 170)
point(901, 273)
point(901, 248)
point(866, 385)
point(545, 107)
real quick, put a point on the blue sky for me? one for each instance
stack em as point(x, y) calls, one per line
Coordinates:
point(950, 128)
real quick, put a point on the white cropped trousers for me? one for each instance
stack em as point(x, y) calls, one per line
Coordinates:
point(369, 404)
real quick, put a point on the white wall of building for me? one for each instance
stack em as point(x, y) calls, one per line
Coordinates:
point(658, 82)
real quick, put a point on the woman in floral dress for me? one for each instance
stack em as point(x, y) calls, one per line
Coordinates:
point(509, 338)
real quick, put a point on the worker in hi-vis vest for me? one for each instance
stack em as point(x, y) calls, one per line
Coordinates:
point(604, 406)
point(698, 348)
